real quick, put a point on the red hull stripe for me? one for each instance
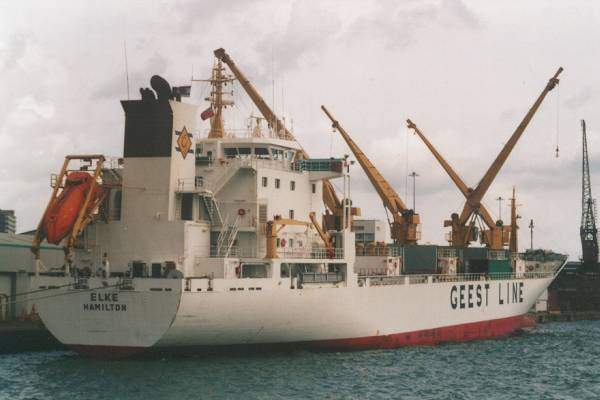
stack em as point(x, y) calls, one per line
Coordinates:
point(456, 333)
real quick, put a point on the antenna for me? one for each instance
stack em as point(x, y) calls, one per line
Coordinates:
point(273, 123)
point(126, 66)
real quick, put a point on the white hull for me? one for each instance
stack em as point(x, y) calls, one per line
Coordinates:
point(274, 315)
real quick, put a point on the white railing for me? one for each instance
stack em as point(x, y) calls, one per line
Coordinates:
point(379, 251)
point(378, 280)
point(314, 253)
point(234, 252)
point(318, 253)
point(186, 185)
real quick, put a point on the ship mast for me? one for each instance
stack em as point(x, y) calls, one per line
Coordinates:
point(218, 81)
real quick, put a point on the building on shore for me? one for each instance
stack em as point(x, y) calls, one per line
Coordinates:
point(8, 221)
point(16, 268)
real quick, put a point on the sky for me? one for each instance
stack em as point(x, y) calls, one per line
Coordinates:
point(465, 72)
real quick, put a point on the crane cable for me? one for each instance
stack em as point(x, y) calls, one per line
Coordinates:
point(557, 121)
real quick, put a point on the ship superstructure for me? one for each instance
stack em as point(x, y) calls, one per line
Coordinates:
point(215, 240)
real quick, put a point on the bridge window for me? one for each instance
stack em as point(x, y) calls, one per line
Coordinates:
point(261, 152)
point(230, 152)
point(244, 151)
point(277, 154)
point(314, 188)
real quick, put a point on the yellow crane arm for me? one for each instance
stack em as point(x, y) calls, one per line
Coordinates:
point(464, 189)
point(332, 202)
point(491, 173)
point(453, 175)
point(390, 198)
point(324, 235)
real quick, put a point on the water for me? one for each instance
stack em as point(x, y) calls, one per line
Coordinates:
point(555, 361)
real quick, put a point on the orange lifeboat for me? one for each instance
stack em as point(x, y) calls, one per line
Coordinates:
point(62, 214)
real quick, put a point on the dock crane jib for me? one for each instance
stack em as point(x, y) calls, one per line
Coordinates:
point(405, 226)
point(588, 231)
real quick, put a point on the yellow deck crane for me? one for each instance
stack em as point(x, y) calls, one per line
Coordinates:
point(330, 198)
point(404, 228)
point(277, 224)
point(461, 235)
point(325, 237)
point(495, 237)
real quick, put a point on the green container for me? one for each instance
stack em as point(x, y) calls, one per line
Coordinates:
point(420, 259)
point(499, 266)
point(475, 253)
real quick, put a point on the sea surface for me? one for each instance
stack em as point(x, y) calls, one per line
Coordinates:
point(554, 361)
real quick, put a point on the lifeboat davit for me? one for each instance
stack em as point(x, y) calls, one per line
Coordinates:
point(62, 214)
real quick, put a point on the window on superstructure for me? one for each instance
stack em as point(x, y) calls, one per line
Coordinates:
point(264, 181)
point(277, 183)
point(262, 213)
point(277, 154)
point(291, 214)
point(314, 188)
point(244, 151)
point(230, 152)
point(261, 152)
point(292, 185)
point(291, 242)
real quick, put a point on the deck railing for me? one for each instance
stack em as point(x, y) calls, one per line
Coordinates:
point(311, 253)
point(379, 280)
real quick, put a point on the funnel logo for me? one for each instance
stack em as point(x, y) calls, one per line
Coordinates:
point(184, 142)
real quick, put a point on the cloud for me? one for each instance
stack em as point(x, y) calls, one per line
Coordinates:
point(580, 98)
point(310, 28)
point(12, 51)
point(399, 24)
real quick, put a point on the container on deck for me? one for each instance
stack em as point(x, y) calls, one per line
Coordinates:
point(420, 259)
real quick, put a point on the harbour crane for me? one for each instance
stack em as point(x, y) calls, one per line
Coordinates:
point(330, 198)
point(587, 231)
point(462, 225)
point(405, 224)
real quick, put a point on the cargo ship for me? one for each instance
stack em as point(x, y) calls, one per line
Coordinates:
point(194, 241)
